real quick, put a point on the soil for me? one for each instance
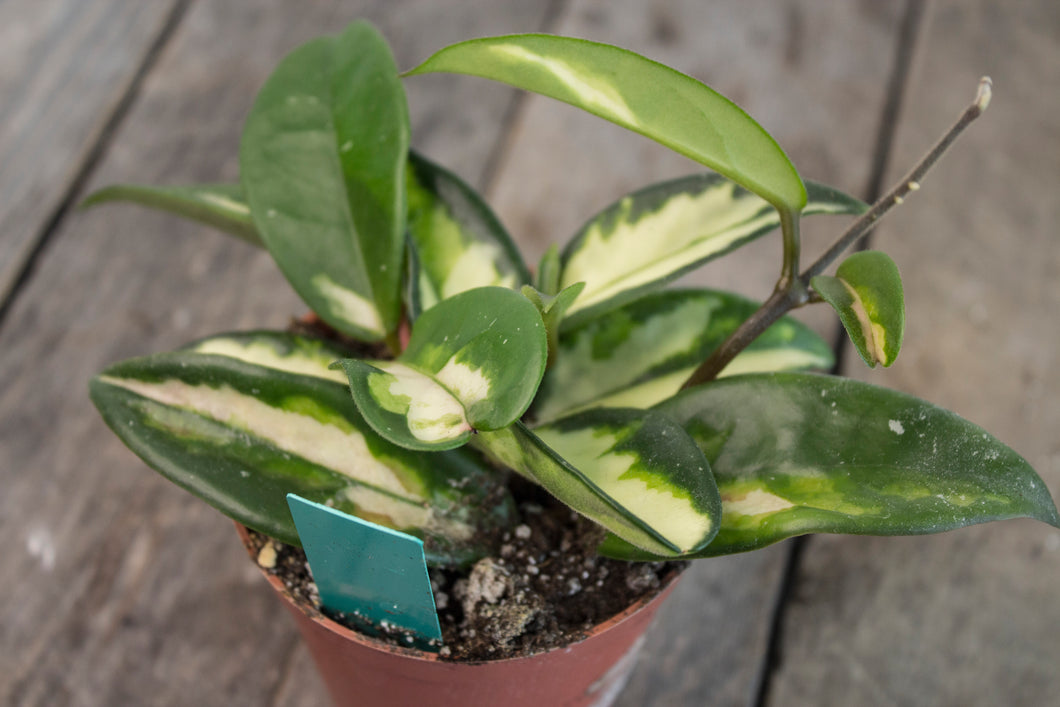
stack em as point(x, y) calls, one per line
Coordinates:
point(544, 587)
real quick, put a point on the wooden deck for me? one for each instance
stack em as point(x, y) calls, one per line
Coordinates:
point(103, 597)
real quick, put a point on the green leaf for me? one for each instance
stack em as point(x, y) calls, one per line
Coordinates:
point(867, 294)
point(474, 362)
point(241, 436)
point(656, 234)
point(322, 161)
point(799, 453)
point(552, 310)
point(641, 353)
point(634, 472)
point(460, 244)
point(548, 271)
point(219, 205)
point(639, 94)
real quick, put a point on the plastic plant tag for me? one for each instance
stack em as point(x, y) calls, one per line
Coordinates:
point(375, 576)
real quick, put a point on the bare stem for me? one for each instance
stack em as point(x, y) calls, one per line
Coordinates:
point(791, 291)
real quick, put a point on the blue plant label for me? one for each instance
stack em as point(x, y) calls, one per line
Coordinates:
point(373, 575)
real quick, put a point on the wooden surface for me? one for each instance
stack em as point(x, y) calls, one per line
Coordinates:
point(105, 601)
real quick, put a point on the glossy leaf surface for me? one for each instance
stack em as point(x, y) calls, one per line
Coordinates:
point(460, 244)
point(641, 353)
point(656, 234)
point(242, 436)
point(866, 292)
point(277, 350)
point(644, 96)
point(474, 362)
point(322, 162)
point(222, 206)
point(799, 453)
point(634, 472)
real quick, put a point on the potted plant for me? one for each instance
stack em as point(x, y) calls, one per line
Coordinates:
point(442, 389)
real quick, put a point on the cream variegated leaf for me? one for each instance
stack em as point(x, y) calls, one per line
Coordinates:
point(474, 362)
point(641, 353)
point(799, 453)
point(459, 242)
point(866, 292)
point(656, 234)
point(639, 94)
point(634, 472)
point(241, 436)
point(278, 350)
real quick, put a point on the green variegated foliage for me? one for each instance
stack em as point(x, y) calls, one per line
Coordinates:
point(656, 234)
point(242, 436)
point(639, 94)
point(866, 292)
point(798, 453)
point(322, 161)
point(460, 244)
point(378, 241)
point(640, 354)
point(473, 363)
point(222, 206)
point(632, 471)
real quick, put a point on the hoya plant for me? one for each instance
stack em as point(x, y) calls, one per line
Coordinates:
point(686, 422)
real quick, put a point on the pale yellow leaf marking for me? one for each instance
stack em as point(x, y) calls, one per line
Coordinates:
point(262, 354)
point(875, 335)
point(348, 305)
point(225, 203)
point(433, 414)
point(753, 503)
point(768, 360)
point(344, 451)
point(597, 93)
point(665, 508)
point(468, 384)
point(476, 267)
point(685, 229)
point(405, 515)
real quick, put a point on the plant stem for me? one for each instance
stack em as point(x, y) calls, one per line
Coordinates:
point(793, 290)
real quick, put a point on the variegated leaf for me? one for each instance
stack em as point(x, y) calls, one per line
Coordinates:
point(799, 453)
point(460, 244)
point(641, 353)
point(242, 436)
point(222, 206)
point(634, 472)
point(656, 234)
point(867, 294)
point(474, 362)
point(639, 94)
point(322, 162)
point(277, 350)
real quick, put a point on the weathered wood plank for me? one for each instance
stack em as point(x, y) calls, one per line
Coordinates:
point(780, 63)
point(970, 617)
point(105, 597)
point(65, 65)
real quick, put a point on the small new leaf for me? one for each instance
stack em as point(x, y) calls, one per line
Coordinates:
point(474, 362)
point(866, 292)
point(639, 94)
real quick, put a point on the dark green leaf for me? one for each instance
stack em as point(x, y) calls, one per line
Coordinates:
point(798, 453)
point(242, 436)
point(322, 161)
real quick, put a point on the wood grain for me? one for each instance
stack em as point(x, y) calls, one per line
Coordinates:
point(65, 66)
point(968, 617)
point(106, 601)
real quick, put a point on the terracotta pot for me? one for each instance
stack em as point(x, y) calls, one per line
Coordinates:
point(362, 671)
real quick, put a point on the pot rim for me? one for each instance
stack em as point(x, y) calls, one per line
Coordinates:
point(311, 612)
